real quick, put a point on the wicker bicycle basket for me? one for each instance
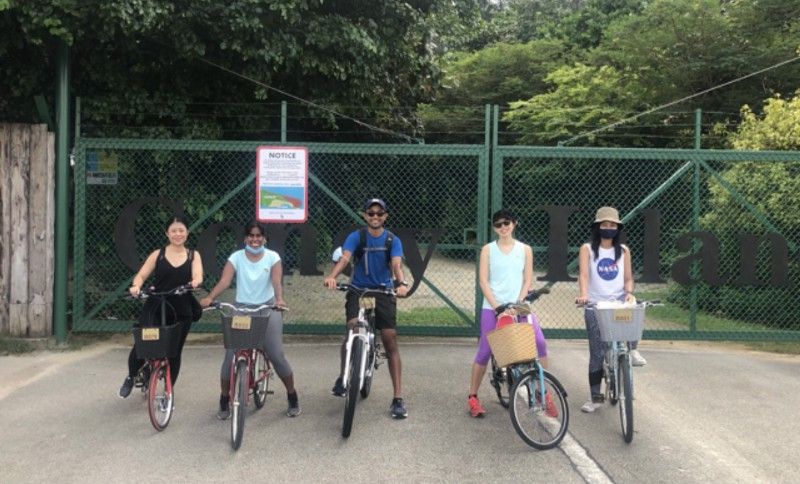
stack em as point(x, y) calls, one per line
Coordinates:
point(621, 324)
point(244, 332)
point(152, 342)
point(514, 343)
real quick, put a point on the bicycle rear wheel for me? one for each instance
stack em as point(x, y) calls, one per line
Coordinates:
point(611, 382)
point(540, 422)
point(498, 379)
point(239, 403)
point(351, 397)
point(261, 374)
point(625, 398)
point(369, 371)
point(160, 396)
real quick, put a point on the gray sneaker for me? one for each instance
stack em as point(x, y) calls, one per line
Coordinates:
point(294, 406)
point(224, 412)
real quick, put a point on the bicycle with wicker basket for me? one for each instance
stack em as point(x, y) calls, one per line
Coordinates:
point(620, 323)
point(156, 344)
point(244, 330)
point(515, 366)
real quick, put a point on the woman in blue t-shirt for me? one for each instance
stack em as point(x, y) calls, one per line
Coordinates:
point(258, 273)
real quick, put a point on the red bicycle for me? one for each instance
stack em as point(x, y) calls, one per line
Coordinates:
point(155, 345)
point(244, 330)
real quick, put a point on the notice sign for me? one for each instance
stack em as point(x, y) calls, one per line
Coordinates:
point(282, 184)
point(101, 168)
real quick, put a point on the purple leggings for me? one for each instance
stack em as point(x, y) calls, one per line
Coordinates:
point(488, 323)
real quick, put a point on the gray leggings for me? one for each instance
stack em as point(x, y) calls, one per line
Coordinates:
point(273, 348)
point(597, 350)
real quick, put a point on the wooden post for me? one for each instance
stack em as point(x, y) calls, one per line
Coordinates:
point(20, 173)
point(27, 155)
point(5, 225)
point(41, 215)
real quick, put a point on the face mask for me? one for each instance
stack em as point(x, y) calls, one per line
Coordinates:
point(608, 233)
point(253, 251)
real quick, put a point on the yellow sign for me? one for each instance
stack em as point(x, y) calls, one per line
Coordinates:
point(368, 302)
point(623, 315)
point(240, 322)
point(150, 334)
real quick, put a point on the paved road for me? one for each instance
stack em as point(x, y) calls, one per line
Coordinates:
point(703, 413)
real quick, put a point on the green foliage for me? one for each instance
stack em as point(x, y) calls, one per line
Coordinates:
point(498, 74)
point(773, 189)
point(582, 97)
point(141, 60)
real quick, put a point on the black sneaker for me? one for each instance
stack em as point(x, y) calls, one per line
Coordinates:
point(398, 408)
point(338, 388)
point(294, 406)
point(224, 408)
point(126, 387)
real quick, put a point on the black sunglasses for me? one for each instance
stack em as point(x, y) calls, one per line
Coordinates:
point(376, 214)
point(504, 223)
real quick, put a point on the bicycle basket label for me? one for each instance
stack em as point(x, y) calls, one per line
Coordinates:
point(368, 302)
point(240, 322)
point(150, 334)
point(623, 315)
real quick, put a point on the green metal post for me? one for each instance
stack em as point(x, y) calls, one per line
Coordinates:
point(695, 221)
point(62, 194)
point(481, 229)
point(497, 165)
point(283, 121)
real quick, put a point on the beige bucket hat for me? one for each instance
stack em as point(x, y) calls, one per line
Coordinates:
point(607, 214)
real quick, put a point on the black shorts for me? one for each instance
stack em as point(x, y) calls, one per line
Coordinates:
point(385, 309)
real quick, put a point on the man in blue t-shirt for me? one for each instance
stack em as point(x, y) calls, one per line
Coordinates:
point(375, 269)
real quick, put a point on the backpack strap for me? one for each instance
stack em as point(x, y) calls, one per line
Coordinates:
point(362, 244)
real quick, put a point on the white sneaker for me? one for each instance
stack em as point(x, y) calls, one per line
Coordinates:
point(590, 407)
point(594, 403)
point(637, 359)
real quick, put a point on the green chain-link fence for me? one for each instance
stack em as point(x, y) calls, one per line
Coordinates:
point(436, 195)
point(738, 211)
point(741, 206)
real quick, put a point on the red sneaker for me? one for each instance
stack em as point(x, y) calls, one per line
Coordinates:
point(475, 407)
point(550, 406)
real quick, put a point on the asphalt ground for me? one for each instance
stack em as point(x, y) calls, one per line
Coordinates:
point(703, 413)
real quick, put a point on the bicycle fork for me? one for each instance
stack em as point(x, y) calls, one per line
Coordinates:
point(351, 336)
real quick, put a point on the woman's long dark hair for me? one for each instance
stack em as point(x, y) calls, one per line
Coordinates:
point(595, 242)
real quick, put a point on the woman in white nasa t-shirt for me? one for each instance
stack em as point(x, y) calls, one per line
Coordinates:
point(605, 275)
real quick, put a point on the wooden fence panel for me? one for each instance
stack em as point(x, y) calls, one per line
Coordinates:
point(26, 230)
point(5, 223)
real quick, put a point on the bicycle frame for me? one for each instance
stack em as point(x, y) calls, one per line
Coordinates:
point(363, 330)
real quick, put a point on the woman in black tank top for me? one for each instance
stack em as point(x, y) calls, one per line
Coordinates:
point(172, 266)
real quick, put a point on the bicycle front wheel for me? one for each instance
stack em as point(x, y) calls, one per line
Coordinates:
point(261, 374)
point(625, 398)
point(160, 396)
point(239, 403)
point(540, 422)
point(368, 372)
point(351, 397)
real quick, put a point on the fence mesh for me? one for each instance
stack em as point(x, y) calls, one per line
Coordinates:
point(735, 278)
point(433, 196)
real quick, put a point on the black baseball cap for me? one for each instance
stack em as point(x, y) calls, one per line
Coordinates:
point(375, 201)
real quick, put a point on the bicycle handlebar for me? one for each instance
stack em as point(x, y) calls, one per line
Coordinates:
point(146, 292)
point(223, 307)
point(362, 291)
point(641, 302)
point(524, 304)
